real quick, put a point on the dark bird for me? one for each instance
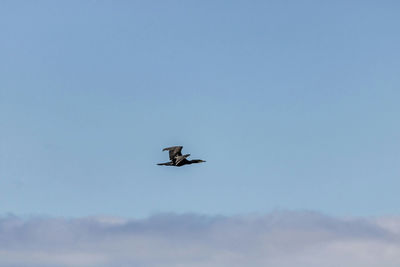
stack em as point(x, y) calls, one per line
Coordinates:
point(176, 157)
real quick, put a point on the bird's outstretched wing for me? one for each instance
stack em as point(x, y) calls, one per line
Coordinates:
point(174, 151)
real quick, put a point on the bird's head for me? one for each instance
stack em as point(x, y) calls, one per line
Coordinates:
point(197, 161)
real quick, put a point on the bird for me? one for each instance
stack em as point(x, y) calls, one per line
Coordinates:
point(177, 159)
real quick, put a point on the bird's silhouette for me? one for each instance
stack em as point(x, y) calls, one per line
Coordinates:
point(177, 159)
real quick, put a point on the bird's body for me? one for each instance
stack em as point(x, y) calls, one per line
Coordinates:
point(177, 159)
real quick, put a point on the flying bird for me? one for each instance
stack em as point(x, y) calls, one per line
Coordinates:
point(176, 157)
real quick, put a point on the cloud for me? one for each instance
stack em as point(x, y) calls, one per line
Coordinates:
point(279, 239)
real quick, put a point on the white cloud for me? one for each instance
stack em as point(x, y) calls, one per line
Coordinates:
point(281, 239)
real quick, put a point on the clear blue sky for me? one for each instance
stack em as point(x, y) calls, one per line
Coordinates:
point(294, 105)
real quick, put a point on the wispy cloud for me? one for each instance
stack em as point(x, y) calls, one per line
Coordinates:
point(280, 239)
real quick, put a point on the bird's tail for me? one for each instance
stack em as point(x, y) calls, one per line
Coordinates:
point(165, 164)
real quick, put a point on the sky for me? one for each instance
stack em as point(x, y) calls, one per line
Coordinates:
point(293, 104)
point(284, 239)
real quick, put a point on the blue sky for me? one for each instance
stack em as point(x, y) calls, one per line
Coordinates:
point(294, 105)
